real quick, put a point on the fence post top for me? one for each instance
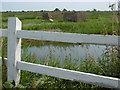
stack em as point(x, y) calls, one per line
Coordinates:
point(14, 23)
point(14, 18)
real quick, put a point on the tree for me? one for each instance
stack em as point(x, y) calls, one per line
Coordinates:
point(23, 11)
point(74, 11)
point(119, 6)
point(64, 10)
point(112, 6)
point(56, 10)
point(94, 10)
point(42, 11)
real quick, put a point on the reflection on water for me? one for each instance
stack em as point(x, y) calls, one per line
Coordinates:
point(72, 51)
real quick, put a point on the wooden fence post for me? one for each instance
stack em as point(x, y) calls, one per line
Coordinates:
point(14, 49)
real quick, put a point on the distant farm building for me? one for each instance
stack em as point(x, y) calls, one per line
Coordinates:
point(68, 16)
point(45, 16)
point(52, 15)
point(74, 16)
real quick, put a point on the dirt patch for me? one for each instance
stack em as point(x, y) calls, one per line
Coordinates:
point(53, 30)
point(37, 24)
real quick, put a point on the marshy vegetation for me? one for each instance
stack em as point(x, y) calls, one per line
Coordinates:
point(97, 22)
point(103, 66)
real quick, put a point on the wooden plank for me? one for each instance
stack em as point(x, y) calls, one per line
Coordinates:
point(1, 44)
point(0, 61)
point(3, 32)
point(14, 49)
point(69, 37)
point(4, 59)
point(70, 74)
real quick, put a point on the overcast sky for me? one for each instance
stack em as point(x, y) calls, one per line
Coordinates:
point(59, 0)
point(49, 5)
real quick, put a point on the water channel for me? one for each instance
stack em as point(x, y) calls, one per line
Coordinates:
point(61, 51)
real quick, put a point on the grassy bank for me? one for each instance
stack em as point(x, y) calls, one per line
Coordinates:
point(95, 23)
point(103, 66)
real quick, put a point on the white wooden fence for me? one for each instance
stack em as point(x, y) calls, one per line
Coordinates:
point(14, 63)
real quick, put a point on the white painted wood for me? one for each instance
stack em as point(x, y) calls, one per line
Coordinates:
point(0, 61)
point(50, 71)
point(3, 32)
point(1, 44)
point(103, 81)
point(4, 59)
point(69, 37)
point(15, 64)
point(14, 49)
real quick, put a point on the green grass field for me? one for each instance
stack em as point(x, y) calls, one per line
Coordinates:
point(95, 23)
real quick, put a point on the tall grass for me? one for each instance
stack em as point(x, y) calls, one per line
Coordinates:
point(104, 66)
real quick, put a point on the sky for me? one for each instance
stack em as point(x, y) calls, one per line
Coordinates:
point(59, 0)
point(50, 5)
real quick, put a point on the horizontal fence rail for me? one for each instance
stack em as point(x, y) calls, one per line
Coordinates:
point(4, 61)
point(69, 37)
point(0, 61)
point(65, 37)
point(15, 65)
point(89, 78)
point(3, 32)
point(70, 74)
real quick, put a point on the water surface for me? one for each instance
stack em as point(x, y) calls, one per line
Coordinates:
point(72, 52)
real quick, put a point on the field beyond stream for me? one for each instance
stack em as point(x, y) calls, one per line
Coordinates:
point(96, 59)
